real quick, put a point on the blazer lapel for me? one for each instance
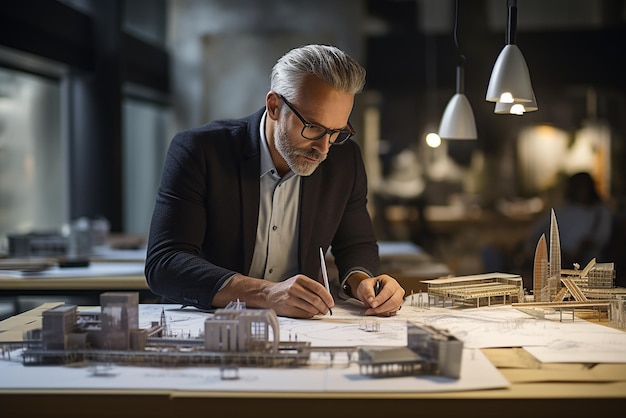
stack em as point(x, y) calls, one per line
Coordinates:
point(250, 169)
point(250, 207)
point(309, 201)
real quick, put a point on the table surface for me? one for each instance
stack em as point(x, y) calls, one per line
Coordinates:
point(98, 275)
point(568, 390)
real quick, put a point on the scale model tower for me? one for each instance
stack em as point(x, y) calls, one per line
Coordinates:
point(540, 271)
point(120, 316)
point(554, 269)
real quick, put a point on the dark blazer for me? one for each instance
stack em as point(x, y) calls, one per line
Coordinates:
point(204, 223)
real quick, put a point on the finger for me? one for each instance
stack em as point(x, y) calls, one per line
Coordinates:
point(373, 299)
point(369, 291)
point(388, 307)
point(316, 291)
point(309, 284)
point(294, 298)
point(377, 312)
point(294, 312)
point(312, 296)
point(298, 307)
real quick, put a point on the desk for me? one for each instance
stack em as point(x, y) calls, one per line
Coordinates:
point(83, 284)
point(541, 401)
point(97, 276)
point(548, 390)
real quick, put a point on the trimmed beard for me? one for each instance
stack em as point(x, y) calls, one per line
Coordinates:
point(290, 153)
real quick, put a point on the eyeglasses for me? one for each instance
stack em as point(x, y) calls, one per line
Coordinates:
point(314, 132)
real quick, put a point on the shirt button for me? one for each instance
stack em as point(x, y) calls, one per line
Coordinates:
point(274, 228)
point(271, 271)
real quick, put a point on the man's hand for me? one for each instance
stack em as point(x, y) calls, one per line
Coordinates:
point(299, 297)
point(296, 297)
point(389, 299)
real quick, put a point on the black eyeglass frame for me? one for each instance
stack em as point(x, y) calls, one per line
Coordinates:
point(350, 132)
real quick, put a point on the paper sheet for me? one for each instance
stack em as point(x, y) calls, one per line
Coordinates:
point(325, 373)
point(577, 340)
point(476, 373)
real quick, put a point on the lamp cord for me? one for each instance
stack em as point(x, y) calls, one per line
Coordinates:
point(460, 68)
point(456, 33)
point(511, 22)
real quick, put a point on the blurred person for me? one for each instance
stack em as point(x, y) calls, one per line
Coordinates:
point(584, 221)
point(245, 205)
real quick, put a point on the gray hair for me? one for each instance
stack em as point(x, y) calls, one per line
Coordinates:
point(328, 63)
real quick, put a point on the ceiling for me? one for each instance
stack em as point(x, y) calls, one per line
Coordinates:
point(564, 41)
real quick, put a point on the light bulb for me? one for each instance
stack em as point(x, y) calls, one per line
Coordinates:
point(506, 97)
point(433, 140)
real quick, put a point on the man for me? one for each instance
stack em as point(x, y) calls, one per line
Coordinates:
point(245, 205)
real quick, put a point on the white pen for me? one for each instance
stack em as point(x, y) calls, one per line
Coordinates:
point(325, 274)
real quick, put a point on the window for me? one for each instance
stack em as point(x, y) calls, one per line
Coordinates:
point(145, 139)
point(32, 156)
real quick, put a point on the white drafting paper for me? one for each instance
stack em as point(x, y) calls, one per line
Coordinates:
point(487, 327)
point(476, 373)
point(342, 329)
point(337, 332)
point(335, 373)
point(583, 343)
point(549, 341)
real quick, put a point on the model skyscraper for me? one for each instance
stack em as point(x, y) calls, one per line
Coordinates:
point(540, 271)
point(554, 263)
point(547, 271)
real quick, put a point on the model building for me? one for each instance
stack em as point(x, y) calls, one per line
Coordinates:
point(232, 337)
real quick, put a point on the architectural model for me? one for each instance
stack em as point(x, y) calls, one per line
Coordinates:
point(233, 337)
point(476, 290)
point(428, 351)
point(540, 271)
point(549, 277)
point(554, 266)
point(593, 287)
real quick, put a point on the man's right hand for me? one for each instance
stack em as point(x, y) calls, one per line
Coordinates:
point(296, 297)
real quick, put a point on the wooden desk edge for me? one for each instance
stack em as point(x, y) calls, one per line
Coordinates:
point(158, 404)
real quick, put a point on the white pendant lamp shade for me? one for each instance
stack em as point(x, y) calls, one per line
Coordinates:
point(516, 108)
point(510, 75)
point(509, 85)
point(458, 121)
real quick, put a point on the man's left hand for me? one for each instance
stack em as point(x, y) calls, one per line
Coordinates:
point(389, 299)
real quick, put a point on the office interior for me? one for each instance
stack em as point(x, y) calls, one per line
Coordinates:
point(92, 91)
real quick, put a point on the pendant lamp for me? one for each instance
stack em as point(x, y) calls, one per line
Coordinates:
point(510, 79)
point(458, 121)
point(516, 108)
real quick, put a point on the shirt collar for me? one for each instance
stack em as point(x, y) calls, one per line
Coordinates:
point(267, 164)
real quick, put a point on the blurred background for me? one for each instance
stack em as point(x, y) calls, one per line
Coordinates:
point(91, 92)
